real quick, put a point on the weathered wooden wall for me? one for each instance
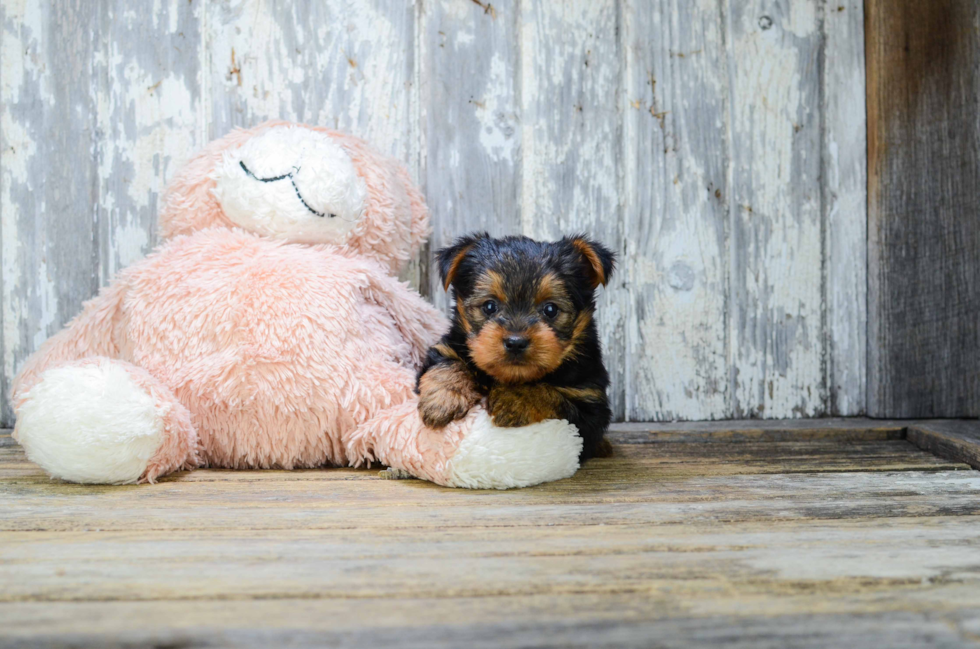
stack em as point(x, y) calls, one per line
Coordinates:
point(717, 145)
point(924, 209)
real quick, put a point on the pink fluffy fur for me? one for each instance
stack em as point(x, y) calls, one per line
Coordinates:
point(268, 353)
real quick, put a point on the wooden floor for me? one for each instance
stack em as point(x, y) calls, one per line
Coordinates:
point(813, 534)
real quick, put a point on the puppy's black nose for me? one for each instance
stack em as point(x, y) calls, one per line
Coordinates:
point(516, 344)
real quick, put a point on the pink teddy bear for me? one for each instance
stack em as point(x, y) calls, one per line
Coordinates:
point(268, 330)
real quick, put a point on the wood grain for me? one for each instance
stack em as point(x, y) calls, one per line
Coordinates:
point(923, 94)
point(580, 621)
point(775, 300)
point(955, 440)
point(677, 196)
point(148, 120)
point(50, 183)
point(844, 197)
point(404, 564)
point(654, 482)
point(345, 65)
point(470, 107)
point(769, 534)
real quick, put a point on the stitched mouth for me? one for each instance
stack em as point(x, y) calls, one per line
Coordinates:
point(292, 181)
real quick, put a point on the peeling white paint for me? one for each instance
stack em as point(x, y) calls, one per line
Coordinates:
point(338, 64)
point(677, 206)
point(492, 111)
point(46, 301)
point(148, 117)
point(778, 273)
point(22, 77)
point(845, 192)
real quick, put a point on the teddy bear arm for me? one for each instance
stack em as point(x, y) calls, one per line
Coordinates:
point(419, 322)
point(91, 333)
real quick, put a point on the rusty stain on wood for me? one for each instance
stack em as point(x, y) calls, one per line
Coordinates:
point(487, 7)
point(235, 70)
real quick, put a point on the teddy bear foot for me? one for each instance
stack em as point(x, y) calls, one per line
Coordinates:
point(490, 457)
point(104, 421)
point(471, 452)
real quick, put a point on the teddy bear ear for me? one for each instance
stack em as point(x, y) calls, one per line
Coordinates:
point(450, 257)
point(599, 260)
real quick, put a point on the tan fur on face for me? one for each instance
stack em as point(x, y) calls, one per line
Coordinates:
point(492, 283)
point(489, 285)
point(552, 289)
point(578, 334)
point(454, 266)
point(543, 355)
point(598, 275)
point(446, 393)
point(464, 322)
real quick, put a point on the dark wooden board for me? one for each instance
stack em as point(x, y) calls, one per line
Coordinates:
point(953, 440)
point(923, 86)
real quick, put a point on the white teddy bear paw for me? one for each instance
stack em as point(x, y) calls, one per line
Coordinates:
point(90, 423)
point(490, 457)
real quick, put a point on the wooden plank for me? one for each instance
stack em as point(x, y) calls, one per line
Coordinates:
point(845, 206)
point(677, 195)
point(339, 64)
point(761, 429)
point(791, 428)
point(652, 456)
point(48, 236)
point(631, 493)
point(775, 318)
point(924, 220)
point(957, 441)
point(149, 119)
point(470, 107)
point(570, 144)
point(487, 623)
point(477, 562)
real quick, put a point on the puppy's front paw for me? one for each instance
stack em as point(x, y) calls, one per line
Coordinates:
point(520, 405)
point(441, 408)
point(446, 393)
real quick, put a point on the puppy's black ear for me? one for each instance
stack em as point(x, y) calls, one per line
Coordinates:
point(450, 257)
point(599, 260)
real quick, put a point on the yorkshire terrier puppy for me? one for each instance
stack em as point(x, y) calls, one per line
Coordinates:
point(523, 336)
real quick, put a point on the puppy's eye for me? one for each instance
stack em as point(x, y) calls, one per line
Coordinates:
point(489, 307)
point(550, 310)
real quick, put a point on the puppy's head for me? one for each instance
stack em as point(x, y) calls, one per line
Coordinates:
point(525, 306)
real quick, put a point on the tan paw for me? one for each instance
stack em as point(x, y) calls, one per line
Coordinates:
point(446, 393)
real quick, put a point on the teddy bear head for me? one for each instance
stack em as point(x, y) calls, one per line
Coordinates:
point(300, 184)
